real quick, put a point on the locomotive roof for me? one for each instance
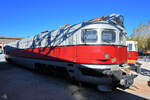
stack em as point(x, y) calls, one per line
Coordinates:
point(115, 20)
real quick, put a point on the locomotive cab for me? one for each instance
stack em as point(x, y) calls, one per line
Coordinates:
point(132, 52)
point(104, 44)
point(106, 55)
point(103, 35)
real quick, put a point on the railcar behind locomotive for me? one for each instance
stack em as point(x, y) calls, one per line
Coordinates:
point(93, 51)
point(133, 55)
point(132, 52)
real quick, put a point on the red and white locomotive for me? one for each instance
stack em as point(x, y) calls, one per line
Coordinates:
point(133, 56)
point(94, 51)
point(132, 52)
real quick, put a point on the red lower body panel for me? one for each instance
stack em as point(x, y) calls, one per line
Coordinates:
point(133, 55)
point(89, 54)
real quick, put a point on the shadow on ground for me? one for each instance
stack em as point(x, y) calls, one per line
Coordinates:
point(5, 66)
point(17, 83)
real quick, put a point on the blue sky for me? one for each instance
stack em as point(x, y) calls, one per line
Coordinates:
point(23, 18)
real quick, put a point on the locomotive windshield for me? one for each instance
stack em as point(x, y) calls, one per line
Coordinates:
point(89, 35)
point(108, 36)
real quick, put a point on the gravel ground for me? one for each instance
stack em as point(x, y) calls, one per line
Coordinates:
point(17, 83)
point(141, 87)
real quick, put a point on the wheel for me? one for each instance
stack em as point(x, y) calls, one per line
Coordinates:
point(8, 60)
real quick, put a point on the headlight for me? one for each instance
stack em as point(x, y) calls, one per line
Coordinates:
point(129, 55)
point(113, 60)
point(106, 56)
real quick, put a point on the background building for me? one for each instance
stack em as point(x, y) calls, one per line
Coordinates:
point(5, 40)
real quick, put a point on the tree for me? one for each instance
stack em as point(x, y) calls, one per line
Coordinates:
point(142, 36)
point(148, 43)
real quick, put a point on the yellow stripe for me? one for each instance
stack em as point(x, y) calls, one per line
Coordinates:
point(131, 61)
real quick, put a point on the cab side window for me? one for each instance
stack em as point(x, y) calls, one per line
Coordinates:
point(129, 47)
point(122, 38)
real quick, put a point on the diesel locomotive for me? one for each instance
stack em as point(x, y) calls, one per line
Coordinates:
point(93, 51)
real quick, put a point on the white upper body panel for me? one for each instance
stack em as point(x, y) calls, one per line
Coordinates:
point(132, 45)
point(100, 28)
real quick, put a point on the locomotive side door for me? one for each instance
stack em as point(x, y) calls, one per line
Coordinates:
point(70, 49)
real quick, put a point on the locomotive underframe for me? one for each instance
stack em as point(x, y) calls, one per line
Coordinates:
point(112, 75)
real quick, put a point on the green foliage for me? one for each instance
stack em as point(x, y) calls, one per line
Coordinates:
point(142, 36)
point(148, 43)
